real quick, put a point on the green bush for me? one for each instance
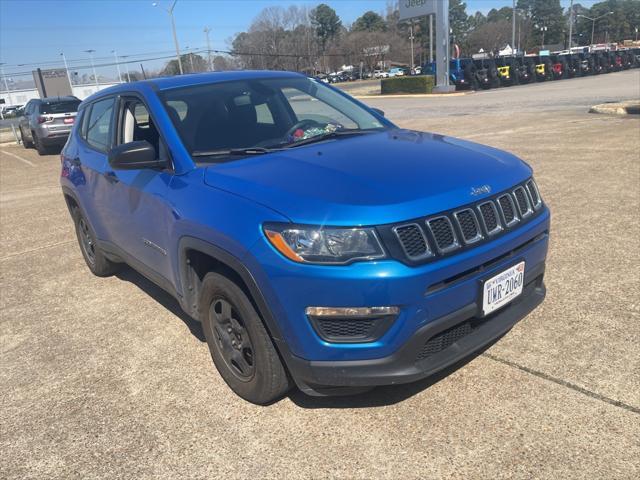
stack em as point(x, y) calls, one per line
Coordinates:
point(413, 84)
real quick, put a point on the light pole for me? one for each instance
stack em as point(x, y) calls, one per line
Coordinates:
point(115, 54)
point(636, 34)
point(513, 29)
point(173, 29)
point(411, 38)
point(127, 72)
point(93, 67)
point(206, 32)
point(6, 85)
point(570, 24)
point(593, 22)
point(66, 67)
point(543, 29)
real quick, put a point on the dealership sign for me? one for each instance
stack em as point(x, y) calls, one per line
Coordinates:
point(417, 8)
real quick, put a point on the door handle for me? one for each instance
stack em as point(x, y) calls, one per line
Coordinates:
point(110, 177)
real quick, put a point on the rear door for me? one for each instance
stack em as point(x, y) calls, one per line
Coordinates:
point(95, 139)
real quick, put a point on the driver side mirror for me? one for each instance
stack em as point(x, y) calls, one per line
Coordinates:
point(135, 156)
point(378, 111)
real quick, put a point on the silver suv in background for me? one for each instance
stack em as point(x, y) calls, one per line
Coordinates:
point(46, 122)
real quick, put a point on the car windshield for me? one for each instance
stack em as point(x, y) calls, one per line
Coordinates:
point(256, 115)
point(60, 107)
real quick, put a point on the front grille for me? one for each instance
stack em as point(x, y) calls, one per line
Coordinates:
point(342, 327)
point(443, 233)
point(508, 209)
point(489, 215)
point(445, 339)
point(468, 226)
point(448, 232)
point(413, 241)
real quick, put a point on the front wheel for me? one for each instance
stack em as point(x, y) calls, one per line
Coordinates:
point(240, 346)
point(26, 143)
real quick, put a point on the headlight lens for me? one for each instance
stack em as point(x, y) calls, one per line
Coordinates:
point(325, 245)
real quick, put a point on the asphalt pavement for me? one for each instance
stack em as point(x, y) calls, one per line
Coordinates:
point(107, 378)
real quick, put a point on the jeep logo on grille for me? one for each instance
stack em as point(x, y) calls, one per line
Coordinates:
point(480, 190)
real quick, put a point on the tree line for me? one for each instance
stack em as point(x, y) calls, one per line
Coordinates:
point(305, 39)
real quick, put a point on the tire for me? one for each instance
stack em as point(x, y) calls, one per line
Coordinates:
point(26, 143)
point(93, 256)
point(240, 346)
point(42, 150)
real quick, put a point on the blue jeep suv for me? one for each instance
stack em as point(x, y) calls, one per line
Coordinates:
point(319, 244)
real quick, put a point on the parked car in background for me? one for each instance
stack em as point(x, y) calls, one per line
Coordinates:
point(46, 123)
point(316, 241)
point(396, 72)
point(380, 74)
point(9, 111)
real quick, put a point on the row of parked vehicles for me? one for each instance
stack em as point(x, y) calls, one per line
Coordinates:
point(502, 71)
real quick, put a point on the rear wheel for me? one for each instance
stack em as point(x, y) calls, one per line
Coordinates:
point(42, 150)
point(94, 257)
point(240, 346)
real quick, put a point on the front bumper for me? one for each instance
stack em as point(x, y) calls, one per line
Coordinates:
point(409, 364)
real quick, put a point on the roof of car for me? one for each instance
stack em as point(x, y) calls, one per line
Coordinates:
point(59, 99)
point(167, 83)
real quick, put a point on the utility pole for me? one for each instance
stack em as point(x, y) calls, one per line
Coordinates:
point(570, 24)
point(66, 67)
point(209, 60)
point(93, 67)
point(173, 29)
point(6, 85)
point(513, 29)
point(115, 54)
point(127, 67)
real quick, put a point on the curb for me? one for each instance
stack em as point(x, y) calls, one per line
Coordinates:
point(416, 95)
point(626, 108)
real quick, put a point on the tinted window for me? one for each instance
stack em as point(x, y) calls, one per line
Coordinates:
point(98, 132)
point(60, 107)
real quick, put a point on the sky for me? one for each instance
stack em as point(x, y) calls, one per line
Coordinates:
point(38, 31)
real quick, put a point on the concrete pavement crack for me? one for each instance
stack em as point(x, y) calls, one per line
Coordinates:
point(564, 383)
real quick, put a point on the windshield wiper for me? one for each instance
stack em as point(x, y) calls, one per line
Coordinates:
point(325, 136)
point(233, 151)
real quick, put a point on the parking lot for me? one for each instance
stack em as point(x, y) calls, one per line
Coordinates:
point(108, 378)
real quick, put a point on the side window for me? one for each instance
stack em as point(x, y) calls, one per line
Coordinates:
point(137, 125)
point(98, 130)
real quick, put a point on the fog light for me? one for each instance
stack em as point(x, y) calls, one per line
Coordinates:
point(351, 324)
point(351, 311)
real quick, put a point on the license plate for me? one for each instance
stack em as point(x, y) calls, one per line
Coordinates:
point(68, 120)
point(502, 288)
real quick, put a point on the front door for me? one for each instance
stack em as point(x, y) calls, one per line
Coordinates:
point(138, 215)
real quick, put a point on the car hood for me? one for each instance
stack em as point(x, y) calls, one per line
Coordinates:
point(371, 179)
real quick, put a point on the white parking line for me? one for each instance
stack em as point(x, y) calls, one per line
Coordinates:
point(18, 158)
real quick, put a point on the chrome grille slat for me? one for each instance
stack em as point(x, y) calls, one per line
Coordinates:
point(443, 233)
point(522, 202)
point(469, 226)
point(490, 218)
point(508, 209)
point(413, 242)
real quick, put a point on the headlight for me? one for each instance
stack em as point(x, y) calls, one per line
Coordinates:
point(324, 244)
